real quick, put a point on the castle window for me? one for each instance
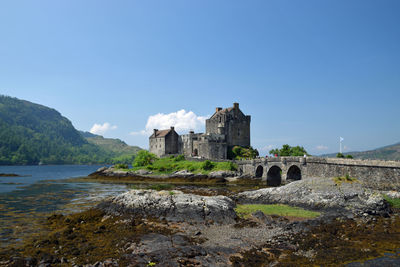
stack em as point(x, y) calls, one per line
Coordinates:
point(238, 132)
point(220, 119)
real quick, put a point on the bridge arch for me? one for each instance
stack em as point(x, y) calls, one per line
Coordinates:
point(294, 173)
point(259, 171)
point(274, 176)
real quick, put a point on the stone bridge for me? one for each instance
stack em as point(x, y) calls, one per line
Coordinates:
point(383, 175)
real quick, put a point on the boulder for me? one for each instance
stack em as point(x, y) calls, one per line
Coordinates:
point(221, 174)
point(173, 206)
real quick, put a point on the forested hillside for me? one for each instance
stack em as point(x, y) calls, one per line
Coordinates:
point(33, 134)
point(123, 153)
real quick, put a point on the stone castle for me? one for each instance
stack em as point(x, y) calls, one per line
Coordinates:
point(225, 129)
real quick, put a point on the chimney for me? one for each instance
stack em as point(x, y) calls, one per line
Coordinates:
point(155, 132)
point(218, 109)
point(172, 128)
point(236, 105)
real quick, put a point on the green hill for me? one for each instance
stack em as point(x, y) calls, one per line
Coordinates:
point(391, 152)
point(123, 153)
point(34, 134)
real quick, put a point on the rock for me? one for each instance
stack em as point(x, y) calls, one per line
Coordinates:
point(173, 206)
point(119, 173)
point(183, 174)
point(101, 169)
point(266, 219)
point(143, 172)
point(221, 174)
point(320, 193)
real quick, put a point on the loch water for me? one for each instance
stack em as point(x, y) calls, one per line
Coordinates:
point(42, 190)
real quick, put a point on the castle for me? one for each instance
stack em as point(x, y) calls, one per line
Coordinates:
point(225, 129)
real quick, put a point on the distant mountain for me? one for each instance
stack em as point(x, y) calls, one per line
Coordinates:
point(35, 134)
point(391, 152)
point(116, 146)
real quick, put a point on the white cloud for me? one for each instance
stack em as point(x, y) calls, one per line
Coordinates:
point(102, 128)
point(182, 120)
point(321, 148)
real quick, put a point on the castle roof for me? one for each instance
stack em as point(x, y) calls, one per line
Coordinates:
point(220, 111)
point(160, 133)
point(225, 110)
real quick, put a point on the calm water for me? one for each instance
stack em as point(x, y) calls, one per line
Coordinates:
point(43, 190)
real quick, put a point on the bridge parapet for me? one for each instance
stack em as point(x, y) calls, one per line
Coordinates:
point(317, 160)
point(355, 162)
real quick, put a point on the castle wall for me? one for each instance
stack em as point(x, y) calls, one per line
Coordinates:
point(157, 146)
point(238, 132)
point(211, 149)
point(171, 143)
point(186, 144)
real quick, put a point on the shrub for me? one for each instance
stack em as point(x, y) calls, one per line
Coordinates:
point(191, 168)
point(344, 179)
point(233, 166)
point(339, 155)
point(144, 158)
point(121, 166)
point(207, 165)
point(349, 156)
point(179, 158)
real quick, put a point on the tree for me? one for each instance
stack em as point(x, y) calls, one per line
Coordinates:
point(287, 151)
point(238, 152)
point(144, 158)
point(339, 155)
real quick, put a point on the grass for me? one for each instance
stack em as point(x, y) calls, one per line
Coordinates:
point(344, 179)
point(245, 211)
point(394, 202)
point(172, 164)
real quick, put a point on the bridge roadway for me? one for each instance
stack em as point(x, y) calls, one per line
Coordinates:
point(377, 174)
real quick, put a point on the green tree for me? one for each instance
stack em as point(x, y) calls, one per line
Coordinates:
point(144, 158)
point(339, 155)
point(238, 152)
point(288, 151)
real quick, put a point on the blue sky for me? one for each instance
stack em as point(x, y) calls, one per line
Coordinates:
point(306, 71)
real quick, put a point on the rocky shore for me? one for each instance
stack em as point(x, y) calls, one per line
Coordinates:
point(172, 228)
point(111, 172)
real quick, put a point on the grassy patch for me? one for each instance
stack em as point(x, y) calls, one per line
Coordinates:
point(394, 202)
point(344, 179)
point(245, 211)
point(172, 164)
